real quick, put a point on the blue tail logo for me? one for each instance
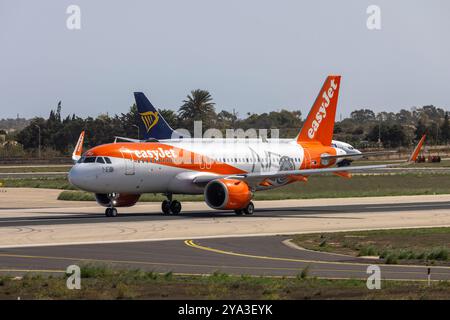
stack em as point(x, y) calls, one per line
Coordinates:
point(152, 123)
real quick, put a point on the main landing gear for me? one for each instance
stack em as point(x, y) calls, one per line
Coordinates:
point(248, 210)
point(170, 206)
point(111, 212)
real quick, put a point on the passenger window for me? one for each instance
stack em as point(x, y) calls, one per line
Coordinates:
point(100, 160)
point(89, 160)
point(108, 160)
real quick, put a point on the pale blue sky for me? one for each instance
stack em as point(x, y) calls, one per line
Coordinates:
point(253, 55)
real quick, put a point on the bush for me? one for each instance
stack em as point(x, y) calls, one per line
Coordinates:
point(367, 251)
point(94, 271)
point(303, 274)
point(76, 196)
point(391, 259)
point(168, 275)
point(323, 243)
point(438, 254)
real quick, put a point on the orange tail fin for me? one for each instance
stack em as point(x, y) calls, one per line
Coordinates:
point(77, 152)
point(416, 151)
point(319, 124)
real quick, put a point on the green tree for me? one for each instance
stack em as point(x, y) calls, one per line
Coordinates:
point(445, 129)
point(392, 136)
point(199, 105)
point(362, 115)
point(170, 116)
point(226, 120)
point(421, 129)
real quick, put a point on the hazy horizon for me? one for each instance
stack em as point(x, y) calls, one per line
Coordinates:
point(253, 56)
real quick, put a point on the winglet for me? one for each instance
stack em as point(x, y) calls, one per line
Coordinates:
point(416, 151)
point(76, 155)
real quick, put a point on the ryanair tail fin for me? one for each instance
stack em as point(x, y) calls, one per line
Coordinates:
point(152, 123)
point(319, 124)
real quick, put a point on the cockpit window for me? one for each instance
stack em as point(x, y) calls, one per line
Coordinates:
point(89, 160)
point(100, 160)
point(107, 160)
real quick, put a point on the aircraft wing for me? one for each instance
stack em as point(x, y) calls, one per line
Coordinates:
point(134, 140)
point(257, 176)
point(127, 139)
point(354, 155)
point(305, 172)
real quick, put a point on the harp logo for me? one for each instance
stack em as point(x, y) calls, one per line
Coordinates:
point(150, 119)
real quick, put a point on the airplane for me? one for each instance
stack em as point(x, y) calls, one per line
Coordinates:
point(227, 172)
point(154, 126)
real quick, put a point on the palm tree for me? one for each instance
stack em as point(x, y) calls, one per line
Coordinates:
point(198, 106)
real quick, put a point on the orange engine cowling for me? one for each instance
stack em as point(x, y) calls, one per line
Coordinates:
point(227, 194)
point(117, 200)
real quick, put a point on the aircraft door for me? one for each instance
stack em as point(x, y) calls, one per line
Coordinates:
point(128, 160)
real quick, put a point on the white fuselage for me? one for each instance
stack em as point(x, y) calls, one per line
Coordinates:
point(150, 168)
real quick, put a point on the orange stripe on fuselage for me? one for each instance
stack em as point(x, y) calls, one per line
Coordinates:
point(313, 150)
point(163, 154)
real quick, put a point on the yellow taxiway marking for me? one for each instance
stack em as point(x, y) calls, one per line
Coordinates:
point(141, 262)
point(192, 244)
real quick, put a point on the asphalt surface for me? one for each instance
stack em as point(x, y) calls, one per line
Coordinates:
point(256, 255)
point(59, 218)
point(247, 255)
point(261, 255)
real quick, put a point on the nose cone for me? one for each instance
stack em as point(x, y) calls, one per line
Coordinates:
point(75, 177)
point(340, 152)
point(82, 177)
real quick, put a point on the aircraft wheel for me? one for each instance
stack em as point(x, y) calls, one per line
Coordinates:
point(111, 212)
point(165, 207)
point(250, 209)
point(175, 207)
point(238, 212)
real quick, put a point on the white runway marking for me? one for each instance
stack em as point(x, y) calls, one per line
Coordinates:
point(410, 206)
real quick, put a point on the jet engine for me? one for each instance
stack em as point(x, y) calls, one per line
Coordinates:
point(117, 199)
point(227, 194)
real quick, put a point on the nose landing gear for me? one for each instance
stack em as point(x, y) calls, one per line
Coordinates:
point(111, 212)
point(170, 206)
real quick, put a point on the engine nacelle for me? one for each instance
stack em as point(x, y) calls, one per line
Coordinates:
point(117, 200)
point(227, 194)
